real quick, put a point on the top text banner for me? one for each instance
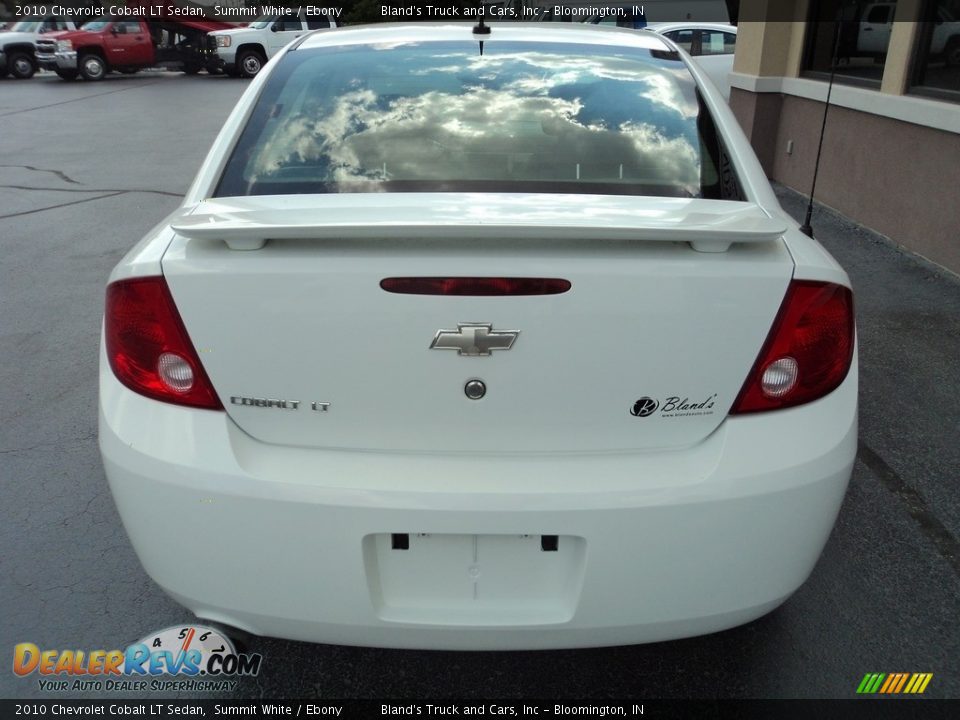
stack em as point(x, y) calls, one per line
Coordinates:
point(81, 11)
point(631, 15)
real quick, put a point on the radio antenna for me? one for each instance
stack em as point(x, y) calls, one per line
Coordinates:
point(481, 27)
point(807, 228)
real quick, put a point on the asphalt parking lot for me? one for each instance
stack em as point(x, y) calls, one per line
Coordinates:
point(87, 168)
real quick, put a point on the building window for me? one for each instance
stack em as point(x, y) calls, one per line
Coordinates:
point(850, 37)
point(937, 63)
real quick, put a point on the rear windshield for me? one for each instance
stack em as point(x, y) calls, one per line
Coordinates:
point(441, 117)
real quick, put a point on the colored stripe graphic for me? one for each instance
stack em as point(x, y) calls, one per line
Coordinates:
point(923, 679)
point(870, 683)
point(903, 680)
point(894, 683)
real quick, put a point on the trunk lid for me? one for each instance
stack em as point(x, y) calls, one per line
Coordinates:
point(646, 350)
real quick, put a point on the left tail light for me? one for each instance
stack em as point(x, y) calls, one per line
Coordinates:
point(148, 346)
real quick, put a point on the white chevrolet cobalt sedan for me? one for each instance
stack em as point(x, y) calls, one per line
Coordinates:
point(479, 341)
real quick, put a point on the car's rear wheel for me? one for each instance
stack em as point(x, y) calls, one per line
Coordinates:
point(67, 74)
point(250, 63)
point(93, 67)
point(21, 66)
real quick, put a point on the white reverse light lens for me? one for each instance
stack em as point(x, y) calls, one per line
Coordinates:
point(175, 372)
point(780, 377)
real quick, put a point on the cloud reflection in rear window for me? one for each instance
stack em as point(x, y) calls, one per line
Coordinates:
point(439, 117)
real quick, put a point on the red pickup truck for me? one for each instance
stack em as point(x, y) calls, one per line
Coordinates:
point(104, 45)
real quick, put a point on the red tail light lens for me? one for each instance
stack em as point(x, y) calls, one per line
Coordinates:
point(475, 286)
point(148, 347)
point(808, 352)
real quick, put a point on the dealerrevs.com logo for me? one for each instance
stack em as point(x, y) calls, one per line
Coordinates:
point(178, 658)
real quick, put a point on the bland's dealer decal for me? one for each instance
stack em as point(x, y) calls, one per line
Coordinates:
point(673, 406)
point(190, 652)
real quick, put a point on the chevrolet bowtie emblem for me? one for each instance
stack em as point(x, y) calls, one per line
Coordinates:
point(474, 339)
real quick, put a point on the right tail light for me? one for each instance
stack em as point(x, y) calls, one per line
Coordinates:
point(808, 351)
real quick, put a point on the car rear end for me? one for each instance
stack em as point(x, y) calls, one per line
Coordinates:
point(479, 347)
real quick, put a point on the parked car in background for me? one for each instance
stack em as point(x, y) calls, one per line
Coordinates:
point(244, 51)
point(18, 44)
point(712, 46)
point(128, 46)
point(479, 350)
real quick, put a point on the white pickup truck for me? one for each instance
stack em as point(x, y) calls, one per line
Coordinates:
point(244, 51)
point(876, 24)
point(18, 45)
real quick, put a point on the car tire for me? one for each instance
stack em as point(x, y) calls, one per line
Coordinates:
point(3, 72)
point(93, 67)
point(21, 66)
point(951, 53)
point(250, 62)
point(67, 74)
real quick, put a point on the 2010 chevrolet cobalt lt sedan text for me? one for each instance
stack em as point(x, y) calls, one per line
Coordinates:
point(479, 341)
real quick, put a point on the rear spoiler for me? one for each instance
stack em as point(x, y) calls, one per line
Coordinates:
point(248, 223)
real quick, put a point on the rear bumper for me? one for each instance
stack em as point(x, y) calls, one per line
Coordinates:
point(294, 543)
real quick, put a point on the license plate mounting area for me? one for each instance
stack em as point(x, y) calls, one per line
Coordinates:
point(494, 580)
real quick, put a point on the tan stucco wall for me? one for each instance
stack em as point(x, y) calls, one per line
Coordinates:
point(900, 179)
point(765, 48)
point(759, 116)
point(896, 72)
point(770, 48)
